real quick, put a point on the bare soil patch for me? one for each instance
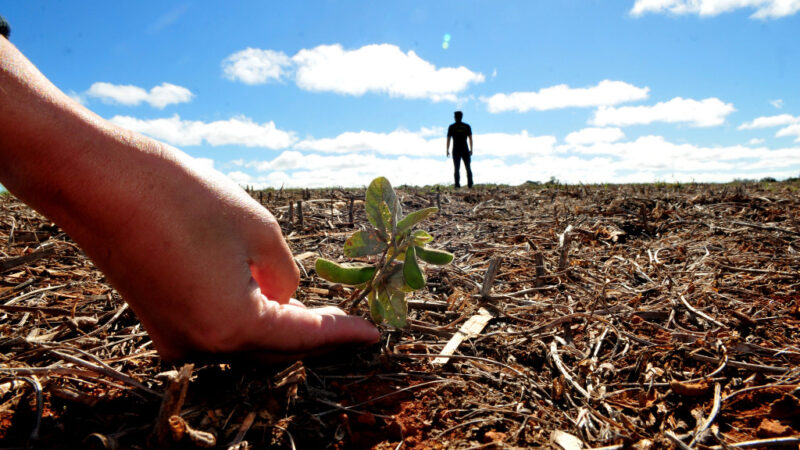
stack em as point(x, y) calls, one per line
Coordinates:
point(654, 316)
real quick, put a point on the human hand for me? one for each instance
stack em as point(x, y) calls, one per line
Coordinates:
point(208, 273)
point(204, 266)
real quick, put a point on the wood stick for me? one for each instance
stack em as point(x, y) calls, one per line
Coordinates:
point(560, 366)
point(105, 370)
point(300, 213)
point(352, 202)
point(563, 247)
point(171, 405)
point(470, 329)
point(41, 309)
point(243, 428)
point(539, 263)
point(711, 416)
point(488, 278)
point(741, 365)
point(701, 314)
point(43, 251)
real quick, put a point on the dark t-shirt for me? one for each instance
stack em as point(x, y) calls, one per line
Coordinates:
point(459, 131)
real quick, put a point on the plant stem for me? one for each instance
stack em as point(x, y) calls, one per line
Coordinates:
point(377, 278)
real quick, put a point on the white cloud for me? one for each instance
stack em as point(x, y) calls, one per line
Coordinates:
point(778, 103)
point(381, 68)
point(764, 9)
point(605, 93)
point(770, 121)
point(594, 135)
point(432, 131)
point(791, 130)
point(255, 66)
point(294, 169)
point(755, 141)
point(423, 143)
point(704, 113)
point(512, 145)
point(206, 163)
point(793, 122)
point(645, 159)
point(376, 68)
point(159, 96)
point(235, 131)
point(399, 142)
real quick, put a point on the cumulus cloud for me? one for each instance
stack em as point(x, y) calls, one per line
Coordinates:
point(205, 163)
point(704, 113)
point(507, 145)
point(605, 93)
point(255, 66)
point(422, 143)
point(376, 68)
point(770, 121)
point(381, 68)
point(158, 97)
point(235, 131)
point(764, 9)
point(295, 169)
point(399, 142)
point(594, 136)
point(791, 130)
point(645, 159)
point(777, 103)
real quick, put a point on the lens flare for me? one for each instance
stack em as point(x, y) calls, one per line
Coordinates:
point(446, 41)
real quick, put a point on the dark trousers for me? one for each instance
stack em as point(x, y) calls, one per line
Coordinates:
point(459, 156)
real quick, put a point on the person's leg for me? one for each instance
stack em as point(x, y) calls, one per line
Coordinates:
point(467, 158)
point(456, 167)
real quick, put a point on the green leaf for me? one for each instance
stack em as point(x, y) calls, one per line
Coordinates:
point(381, 206)
point(376, 309)
point(363, 243)
point(389, 305)
point(352, 274)
point(411, 273)
point(398, 313)
point(396, 280)
point(414, 218)
point(421, 237)
point(432, 256)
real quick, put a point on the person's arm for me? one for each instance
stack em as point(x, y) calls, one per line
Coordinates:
point(470, 145)
point(204, 266)
point(448, 145)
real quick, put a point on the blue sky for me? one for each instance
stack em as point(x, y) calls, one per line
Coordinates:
point(335, 93)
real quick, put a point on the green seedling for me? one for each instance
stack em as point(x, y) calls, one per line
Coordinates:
point(401, 248)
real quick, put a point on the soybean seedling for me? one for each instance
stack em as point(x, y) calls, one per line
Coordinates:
point(401, 248)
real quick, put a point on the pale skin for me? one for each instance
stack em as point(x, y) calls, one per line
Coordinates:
point(204, 267)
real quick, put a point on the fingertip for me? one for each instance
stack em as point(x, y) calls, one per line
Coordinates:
point(358, 329)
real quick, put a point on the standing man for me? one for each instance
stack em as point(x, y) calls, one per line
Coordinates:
point(459, 132)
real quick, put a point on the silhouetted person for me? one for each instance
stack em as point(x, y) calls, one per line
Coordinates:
point(460, 132)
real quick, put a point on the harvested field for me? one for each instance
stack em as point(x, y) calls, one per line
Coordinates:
point(656, 315)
